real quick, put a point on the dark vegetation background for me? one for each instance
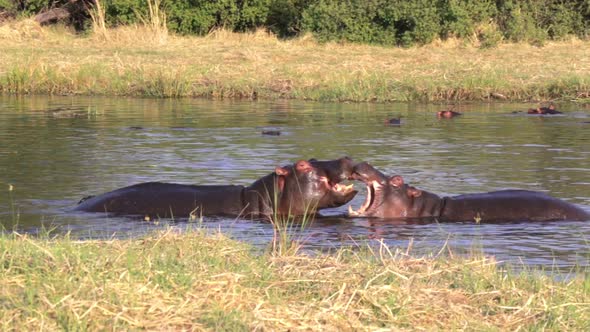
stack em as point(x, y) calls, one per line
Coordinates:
point(384, 22)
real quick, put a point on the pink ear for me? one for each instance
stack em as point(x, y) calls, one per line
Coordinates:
point(303, 166)
point(396, 181)
point(282, 171)
point(414, 192)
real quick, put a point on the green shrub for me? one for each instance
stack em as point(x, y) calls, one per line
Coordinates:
point(31, 7)
point(353, 21)
point(373, 21)
point(123, 12)
point(522, 21)
point(201, 16)
point(564, 19)
point(385, 22)
point(7, 6)
point(460, 18)
point(285, 17)
point(252, 14)
point(198, 16)
point(488, 35)
point(414, 21)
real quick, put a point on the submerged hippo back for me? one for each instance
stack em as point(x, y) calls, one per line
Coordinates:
point(166, 200)
point(510, 205)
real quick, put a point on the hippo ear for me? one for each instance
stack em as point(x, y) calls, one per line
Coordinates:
point(282, 172)
point(396, 181)
point(414, 192)
point(303, 166)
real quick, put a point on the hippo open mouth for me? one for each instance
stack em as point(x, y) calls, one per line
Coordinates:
point(337, 194)
point(373, 189)
point(336, 186)
point(375, 182)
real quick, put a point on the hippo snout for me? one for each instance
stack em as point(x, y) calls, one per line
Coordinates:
point(366, 173)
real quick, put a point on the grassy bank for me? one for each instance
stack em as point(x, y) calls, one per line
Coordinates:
point(142, 61)
point(195, 281)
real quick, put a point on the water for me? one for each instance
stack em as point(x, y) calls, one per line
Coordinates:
point(56, 150)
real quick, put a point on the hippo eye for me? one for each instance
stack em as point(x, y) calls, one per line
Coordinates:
point(303, 166)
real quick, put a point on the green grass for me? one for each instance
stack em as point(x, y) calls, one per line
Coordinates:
point(171, 281)
point(139, 61)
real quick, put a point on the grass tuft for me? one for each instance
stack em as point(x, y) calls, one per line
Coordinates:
point(199, 280)
point(98, 18)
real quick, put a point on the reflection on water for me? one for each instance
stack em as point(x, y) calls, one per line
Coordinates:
point(54, 151)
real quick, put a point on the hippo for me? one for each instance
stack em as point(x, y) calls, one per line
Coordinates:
point(390, 197)
point(544, 110)
point(294, 190)
point(271, 132)
point(447, 114)
point(393, 121)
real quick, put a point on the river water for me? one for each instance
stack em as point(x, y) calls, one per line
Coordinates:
point(56, 150)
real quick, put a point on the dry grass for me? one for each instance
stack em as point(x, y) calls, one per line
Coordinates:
point(194, 281)
point(99, 26)
point(136, 60)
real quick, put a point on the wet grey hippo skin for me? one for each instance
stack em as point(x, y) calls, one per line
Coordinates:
point(302, 188)
point(390, 197)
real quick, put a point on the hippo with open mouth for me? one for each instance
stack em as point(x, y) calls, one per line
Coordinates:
point(390, 197)
point(299, 189)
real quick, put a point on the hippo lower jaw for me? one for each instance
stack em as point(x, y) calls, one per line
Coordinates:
point(372, 191)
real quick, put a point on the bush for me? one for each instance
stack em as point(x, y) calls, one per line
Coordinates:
point(374, 21)
point(353, 21)
point(7, 6)
point(31, 7)
point(194, 16)
point(488, 35)
point(521, 22)
point(564, 19)
point(198, 16)
point(416, 21)
point(201, 16)
point(385, 22)
point(122, 12)
point(285, 17)
point(461, 18)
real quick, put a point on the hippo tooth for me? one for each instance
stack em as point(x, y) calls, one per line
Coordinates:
point(343, 188)
point(368, 199)
point(351, 211)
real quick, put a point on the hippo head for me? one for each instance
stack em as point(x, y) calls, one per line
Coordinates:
point(336, 171)
point(387, 197)
point(308, 186)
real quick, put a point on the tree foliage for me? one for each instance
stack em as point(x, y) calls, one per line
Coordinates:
point(385, 22)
